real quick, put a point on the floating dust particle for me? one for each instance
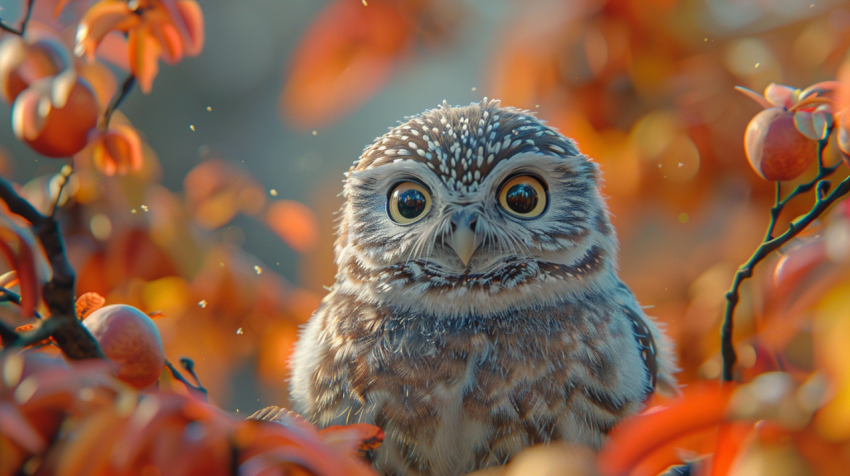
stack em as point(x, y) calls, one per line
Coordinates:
point(192, 126)
point(239, 331)
point(683, 217)
point(202, 304)
point(278, 263)
point(315, 133)
point(221, 264)
point(273, 192)
point(536, 106)
point(474, 88)
point(705, 39)
point(681, 164)
point(659, 166)
point(365, 4)
point(133, 211)
point(144, 208)
point(757, 65)
point(258, 269)
point(209, 108)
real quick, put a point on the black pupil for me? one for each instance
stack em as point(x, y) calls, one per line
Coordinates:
point(521, 198)
point(411, 203)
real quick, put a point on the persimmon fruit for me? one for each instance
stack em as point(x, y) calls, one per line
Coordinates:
point(130, 339)
point(775, 148)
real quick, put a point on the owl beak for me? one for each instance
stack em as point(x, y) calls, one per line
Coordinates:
point(464, 240)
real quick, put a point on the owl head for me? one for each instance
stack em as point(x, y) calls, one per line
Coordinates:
point(482, 203)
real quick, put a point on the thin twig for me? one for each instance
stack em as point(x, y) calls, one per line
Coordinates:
point(189, 366)
point(14, 298)
point(61, 188)
point(771, 244)
point(23, 28)
point(71, 336)
point(119, 97)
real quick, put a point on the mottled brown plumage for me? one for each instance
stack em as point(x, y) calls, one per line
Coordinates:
point(474, 330)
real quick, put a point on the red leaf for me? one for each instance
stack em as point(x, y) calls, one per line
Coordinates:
point(730, 440)
point(18, 247)
point(701, 407)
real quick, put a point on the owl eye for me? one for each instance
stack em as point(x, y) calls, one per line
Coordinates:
point(408, 203)
point(524, 197)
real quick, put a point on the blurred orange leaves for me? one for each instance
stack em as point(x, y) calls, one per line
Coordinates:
point(345, 57)
point(116, 150)
point(217, 190)
point(294, 223)
point(701, 407)
point(109, 428)
point(733, 424)
point(155, 29)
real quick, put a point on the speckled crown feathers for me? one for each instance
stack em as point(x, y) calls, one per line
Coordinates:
point(462, 144)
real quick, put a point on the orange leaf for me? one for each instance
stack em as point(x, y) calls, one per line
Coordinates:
point(171, 42)
point(102, 18)
point(144, 52)
point(193, 19)
point(294, 223)
point(88, 303)
point(117, 150)
point(18, 247)
point(343, 59)
point(702, 406)
point(217, 190)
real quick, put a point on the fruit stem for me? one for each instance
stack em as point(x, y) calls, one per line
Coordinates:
point(771, 244)
point(119, 97)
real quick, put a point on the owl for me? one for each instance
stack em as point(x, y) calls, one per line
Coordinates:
point(477, 308)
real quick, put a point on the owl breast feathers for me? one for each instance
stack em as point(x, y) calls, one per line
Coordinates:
point(477, 308)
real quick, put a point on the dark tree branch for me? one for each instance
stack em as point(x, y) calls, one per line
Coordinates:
point(8, 336)
point(44, 331)
point(68, 332)
point(23, 28)
point(770, 244)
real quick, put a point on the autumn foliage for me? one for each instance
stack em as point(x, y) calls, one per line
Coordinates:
point(680, 102)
